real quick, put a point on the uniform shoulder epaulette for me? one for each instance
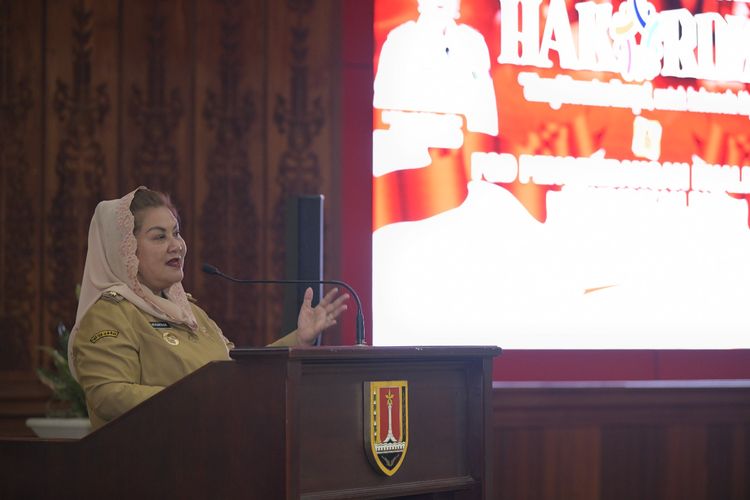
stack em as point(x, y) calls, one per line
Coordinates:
point(191, 298)
point(112, 296)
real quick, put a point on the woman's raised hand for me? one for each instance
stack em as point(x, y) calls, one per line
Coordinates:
point(313, 320)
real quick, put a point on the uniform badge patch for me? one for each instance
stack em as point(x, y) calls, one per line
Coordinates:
point(104, 333)
point(386, 424)
point(170, 338)
point(160, 324)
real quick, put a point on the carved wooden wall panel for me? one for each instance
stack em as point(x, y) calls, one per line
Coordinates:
point(21, 224)
point(300, 132)
point(81, 144)
point(225, 104)
point(20, 159)
point(230, 160)
point(156, 96)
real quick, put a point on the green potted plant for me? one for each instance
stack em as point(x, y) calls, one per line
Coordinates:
point(67, 415)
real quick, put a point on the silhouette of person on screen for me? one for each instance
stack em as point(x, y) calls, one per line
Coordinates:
point(431, 72)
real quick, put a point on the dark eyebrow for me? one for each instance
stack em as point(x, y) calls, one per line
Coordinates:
point(163, 230)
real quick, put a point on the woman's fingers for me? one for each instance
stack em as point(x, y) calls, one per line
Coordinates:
point(328, 297)
point(307, 300)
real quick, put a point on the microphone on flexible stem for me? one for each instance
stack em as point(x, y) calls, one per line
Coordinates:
point(209, 269)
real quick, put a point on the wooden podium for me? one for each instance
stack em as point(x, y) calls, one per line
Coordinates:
point(278, 423)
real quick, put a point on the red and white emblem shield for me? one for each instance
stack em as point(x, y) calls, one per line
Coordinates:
point(386, 424)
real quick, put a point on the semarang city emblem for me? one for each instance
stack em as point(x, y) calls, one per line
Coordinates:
point(386, 424)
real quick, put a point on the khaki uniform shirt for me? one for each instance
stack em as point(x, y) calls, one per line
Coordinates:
point(123, 355)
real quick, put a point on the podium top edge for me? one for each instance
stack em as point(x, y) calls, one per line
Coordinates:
point(365, 352)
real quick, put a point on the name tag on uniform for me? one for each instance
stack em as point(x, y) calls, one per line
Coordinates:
point(160, 324)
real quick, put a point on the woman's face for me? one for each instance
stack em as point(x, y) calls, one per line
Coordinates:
point(161, 249)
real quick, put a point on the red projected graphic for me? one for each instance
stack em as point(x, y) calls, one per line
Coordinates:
point(552, 174)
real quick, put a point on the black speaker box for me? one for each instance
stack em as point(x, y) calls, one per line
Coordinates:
point(304, 253)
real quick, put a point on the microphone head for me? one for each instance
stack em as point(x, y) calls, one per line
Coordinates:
point(209, 269)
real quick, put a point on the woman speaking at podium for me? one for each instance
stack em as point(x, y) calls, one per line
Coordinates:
point(136, 330)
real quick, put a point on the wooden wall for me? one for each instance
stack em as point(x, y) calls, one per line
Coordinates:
point(622, 441)
point(232, 105)
point(229, 105)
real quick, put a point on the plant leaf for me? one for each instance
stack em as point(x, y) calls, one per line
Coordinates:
point(65, 388)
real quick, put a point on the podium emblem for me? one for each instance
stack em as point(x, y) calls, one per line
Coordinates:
point(386, 424)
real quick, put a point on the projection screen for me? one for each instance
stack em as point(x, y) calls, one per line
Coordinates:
point(556, 174)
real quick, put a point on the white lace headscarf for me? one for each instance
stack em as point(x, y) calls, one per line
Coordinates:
point(112, 265)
